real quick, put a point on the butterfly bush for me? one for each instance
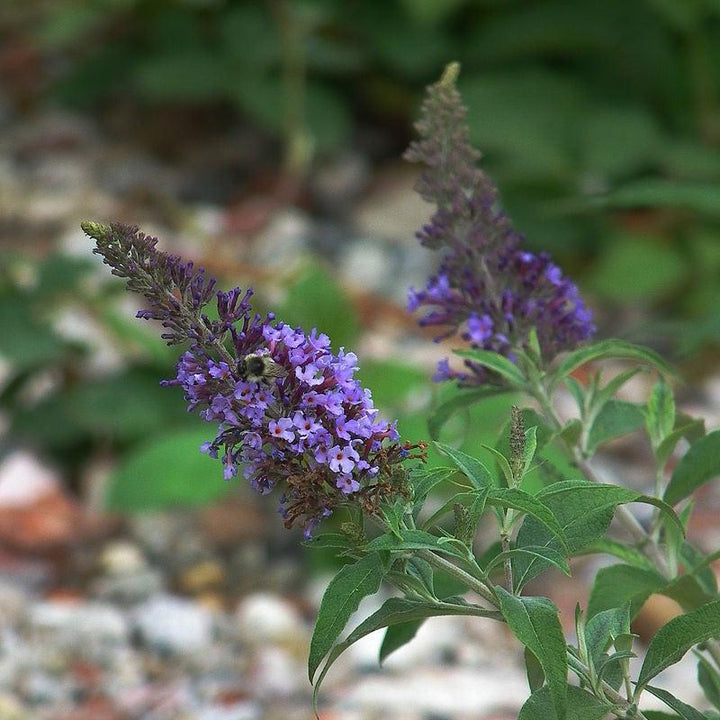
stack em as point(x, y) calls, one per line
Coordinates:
point(313, 430)
point(487, 287)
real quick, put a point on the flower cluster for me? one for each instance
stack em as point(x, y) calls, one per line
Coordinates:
point(289, 411)
point(487, 288)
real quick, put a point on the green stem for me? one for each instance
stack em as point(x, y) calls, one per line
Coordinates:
point(609, 692)
point(459, 574)
point(641, 538)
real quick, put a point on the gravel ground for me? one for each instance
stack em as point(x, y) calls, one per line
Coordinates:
point(207, 615)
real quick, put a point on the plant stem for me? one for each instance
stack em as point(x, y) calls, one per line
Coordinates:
point(507, 562)
point(451, 569)
point(610, 693)
point(641, 538)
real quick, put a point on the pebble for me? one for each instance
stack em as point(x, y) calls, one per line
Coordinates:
point(283, 241)
point(265, 618)
point(129, 588)
point(122, 557)
point(169, 623)
point(369, 264)
point(77, 625)
point(12, 709)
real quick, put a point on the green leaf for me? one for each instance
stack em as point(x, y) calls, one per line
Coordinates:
point(694, 562)
point(616, 349)
point(610, 389)
point(533, 670)
point(660, 419)
point(340, 601)
point(414, 540)
point(398, 635)
point(127, 407)
point(165, 473)
point(461, 401)
point(25, 341)
point(317, 300)
point(185, 74)
point(581, 705)
point(535, 623)
point(395, 611)
point(474, 470)
point(530, 505)
point(616, 276)
point(699, 465)
point(544, 553)
point(698, 198)
point(691, 430)
point(531, 446)
point(328, 540)
point(628, 554)
point(502, 461)
point(688, 592)
point(602, 629)
point(709, 681)
point(675, 638)
point(497, 363)
point(617, 418)
point(583, 510)
point(682, 709)
point(423, 481)
point(327, 117)
point(617, 585)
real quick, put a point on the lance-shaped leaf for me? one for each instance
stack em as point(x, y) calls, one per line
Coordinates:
point(617, 585)
point(602, 629)
point(612, 349)
point(529, 505)
point(341, 600)
point(617, 418)
point(660, 418)
point(675, 638)
point(581, 705)
point(423, 481)
point(415, 540)
point(584, 511)
point(709, 680)
point(535, 623)
point(685, 711)
point(700, 464)
point(473, 469)
point(553, 557)
point(399, 611)
point(497, 363)
point(398, 635)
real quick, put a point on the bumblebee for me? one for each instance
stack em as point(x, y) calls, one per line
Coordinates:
point(259, 368)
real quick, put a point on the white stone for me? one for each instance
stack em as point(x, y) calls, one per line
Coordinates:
point(263, 617)
point(74, 623)
point(169, 622)
point(237, 711)
point(122, 558)
point(275, 673)
point(24, 480)
point(366, 264)
point(449, 691)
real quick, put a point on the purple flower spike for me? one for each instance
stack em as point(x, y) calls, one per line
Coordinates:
point(487, 288)
point(306, 424)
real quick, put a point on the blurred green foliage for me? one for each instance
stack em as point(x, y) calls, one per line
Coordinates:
point(600, 122)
